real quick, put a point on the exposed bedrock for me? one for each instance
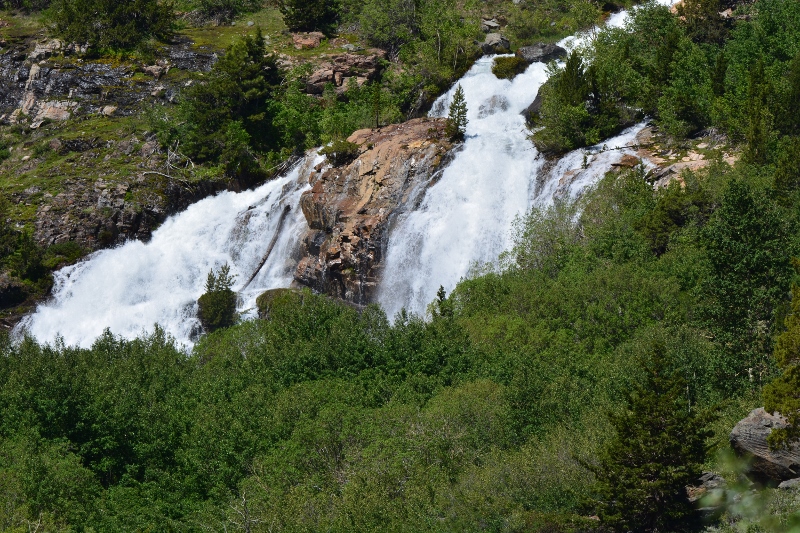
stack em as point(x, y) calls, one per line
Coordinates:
point(350, 208)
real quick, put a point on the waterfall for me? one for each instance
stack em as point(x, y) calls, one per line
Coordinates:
point(130, 288)
point(465, 219)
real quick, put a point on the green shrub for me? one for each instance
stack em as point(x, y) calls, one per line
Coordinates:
point(340, 152)
point(227, 9)
point(217, 307)
point(506, 68)
point(113, 24)
point(62, 254)
point(309, 15)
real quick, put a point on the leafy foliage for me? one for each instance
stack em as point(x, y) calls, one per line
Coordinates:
point(781, 394)
point(112, 24)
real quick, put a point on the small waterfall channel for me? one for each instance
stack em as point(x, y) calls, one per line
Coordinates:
point(464, 220)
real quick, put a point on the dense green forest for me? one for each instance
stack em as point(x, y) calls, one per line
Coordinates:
point(634, 324)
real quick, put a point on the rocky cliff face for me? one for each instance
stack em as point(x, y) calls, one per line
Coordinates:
point(350, 208)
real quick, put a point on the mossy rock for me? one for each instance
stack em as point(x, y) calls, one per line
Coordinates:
point(270, 298)
point(506, 68)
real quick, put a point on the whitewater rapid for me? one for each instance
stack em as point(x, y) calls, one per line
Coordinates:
point(131, 288)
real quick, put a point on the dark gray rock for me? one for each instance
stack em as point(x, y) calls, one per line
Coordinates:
point(766, 466)
point(541, 52)
point(533, 110)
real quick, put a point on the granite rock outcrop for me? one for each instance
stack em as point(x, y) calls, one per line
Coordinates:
point(350, 209)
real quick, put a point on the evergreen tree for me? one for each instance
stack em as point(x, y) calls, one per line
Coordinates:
point(658, 450)
point(457, 117)
point(231, 115)
point(114, 24)
point(783, 394)
point(757, 132)
point(217, 307)
point(309, 15)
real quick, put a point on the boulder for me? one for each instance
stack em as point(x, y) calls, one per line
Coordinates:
point(495, 43)
point(341, 68)
point(541, 52)
point(489, 26)
point(306, 41)
point(792, 484)
point(533, 110)
point(766, 466)
point(706, 483)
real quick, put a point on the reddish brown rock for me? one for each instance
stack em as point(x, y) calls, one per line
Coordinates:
point(341, 68)
point(350, 208)
point(305, 41)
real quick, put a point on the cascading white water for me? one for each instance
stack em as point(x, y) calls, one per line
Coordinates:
point(130, 288)
point(465, 219)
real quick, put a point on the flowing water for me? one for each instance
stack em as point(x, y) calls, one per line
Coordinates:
point(464, 220)
point(130, 288)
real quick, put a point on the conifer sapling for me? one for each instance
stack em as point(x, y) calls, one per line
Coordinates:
point(457, 117)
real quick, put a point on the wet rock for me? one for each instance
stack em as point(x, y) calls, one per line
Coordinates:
point(627, 161)
point(532, 111)
point(495, 43)
point(493, 105)
point(541, 52)
point(766, 466)
point(349, 208)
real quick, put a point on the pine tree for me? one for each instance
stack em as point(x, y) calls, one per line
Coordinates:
point(309, 15)
point(457, 117)
point(783, 394)
point(658, 450)
point(217, 307)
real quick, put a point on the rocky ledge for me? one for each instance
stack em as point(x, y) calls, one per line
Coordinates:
point(350, 208)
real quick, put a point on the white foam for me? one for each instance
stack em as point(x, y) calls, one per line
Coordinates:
point(130, 288)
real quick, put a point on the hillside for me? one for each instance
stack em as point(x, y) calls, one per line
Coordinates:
point(586, 379)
